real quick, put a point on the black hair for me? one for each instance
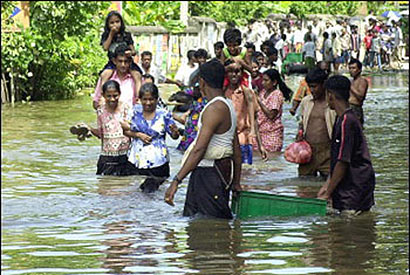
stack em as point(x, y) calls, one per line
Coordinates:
point(271, 51)
point(120, 50)
point(149, 88)
point(201, 53)
point(283, 36)
point(356, 61)
point(213, 73)
point(219, 45)
point(257, 54)
point(254, 60)
point(273, 74)
point(325, 35)
point(267, 43)
point(250, 45)
point(144, 53)
point(190, 54)
point(106, 26)
point(111, 84)
point(146, 76)
point(339, 85)
point(232, 35)
point(228, 62)
point(316, 75)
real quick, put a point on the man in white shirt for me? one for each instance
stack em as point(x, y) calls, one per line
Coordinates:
point(309, 53)
point(151, 69)
point(185, 70)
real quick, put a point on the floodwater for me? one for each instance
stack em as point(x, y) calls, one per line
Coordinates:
point(58, 217)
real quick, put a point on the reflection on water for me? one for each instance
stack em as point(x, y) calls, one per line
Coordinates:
point(58, 217)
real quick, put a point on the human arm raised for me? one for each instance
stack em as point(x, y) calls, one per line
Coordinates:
point(271, 114)
point(107, 43)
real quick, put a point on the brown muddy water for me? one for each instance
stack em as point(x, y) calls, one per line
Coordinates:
point(58, 217)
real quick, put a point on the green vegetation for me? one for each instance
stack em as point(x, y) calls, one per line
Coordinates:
point(60, 54)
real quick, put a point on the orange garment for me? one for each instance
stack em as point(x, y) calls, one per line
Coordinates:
point(243, 122)
point(302, 91)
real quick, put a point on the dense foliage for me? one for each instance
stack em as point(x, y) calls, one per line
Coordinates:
point(153, 13)
point(59, 53)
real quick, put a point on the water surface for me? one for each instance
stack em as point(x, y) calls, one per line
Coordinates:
point(58, 217)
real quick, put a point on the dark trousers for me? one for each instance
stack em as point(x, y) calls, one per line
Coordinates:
point(208, 193)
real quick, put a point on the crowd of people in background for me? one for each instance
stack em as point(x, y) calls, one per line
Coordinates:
point(243, 79)
point(376, 43)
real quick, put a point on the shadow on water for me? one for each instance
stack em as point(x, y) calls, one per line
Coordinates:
point(58, 217)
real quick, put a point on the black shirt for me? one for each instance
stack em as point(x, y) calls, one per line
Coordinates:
point(124, 38)
point(355, 191)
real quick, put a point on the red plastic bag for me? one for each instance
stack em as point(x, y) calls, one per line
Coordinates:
point(298, 152)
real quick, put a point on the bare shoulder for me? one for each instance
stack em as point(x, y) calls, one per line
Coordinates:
point(362, 83)
point(217, 108)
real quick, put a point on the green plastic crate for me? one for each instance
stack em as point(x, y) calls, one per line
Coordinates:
point(254, 204)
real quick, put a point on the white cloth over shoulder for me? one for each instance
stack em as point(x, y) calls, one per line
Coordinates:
point(221, 145)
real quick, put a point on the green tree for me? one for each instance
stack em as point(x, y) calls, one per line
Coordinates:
point(153, 13)
point(59, 53)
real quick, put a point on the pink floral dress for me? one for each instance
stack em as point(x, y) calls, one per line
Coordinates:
point(271, 131)
point(114, 143)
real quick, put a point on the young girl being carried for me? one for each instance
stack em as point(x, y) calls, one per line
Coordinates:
point(148, 128)
point(114, 35)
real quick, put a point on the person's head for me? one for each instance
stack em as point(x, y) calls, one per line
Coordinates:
point(355, 67)
point(325, 35)
point(324, 65)
point(334, 35)
point(211, 75)
point(148, 78)
point(146, 58)
point(338, 90)
point(375, 33)
point(250, 49)
point(250, 46)
point(234, 73)
point(309, 28)
point(111, 93)
point(255, 67)
point(191, 56)
point(265, 45)
point(260, 57)
point(121, 60)
point(148, 96)
point(233, 39)
point(114, 19)
point(272, 54)
point(315, 79)
point(201, 56)
point(218, 47)
point(271, 79)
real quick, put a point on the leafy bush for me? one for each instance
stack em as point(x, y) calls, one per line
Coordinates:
point(59, 53)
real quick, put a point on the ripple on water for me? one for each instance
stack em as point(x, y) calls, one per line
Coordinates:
point(56, 211)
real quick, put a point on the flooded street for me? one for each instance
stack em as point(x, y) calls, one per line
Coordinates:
point(58, 217)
